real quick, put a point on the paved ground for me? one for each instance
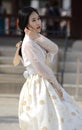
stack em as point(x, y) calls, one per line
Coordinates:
point(9, 112)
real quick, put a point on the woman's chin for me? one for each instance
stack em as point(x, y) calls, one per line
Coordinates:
point(38, 30)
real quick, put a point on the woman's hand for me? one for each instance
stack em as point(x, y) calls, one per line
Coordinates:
point(31, 33)
point(59, 92)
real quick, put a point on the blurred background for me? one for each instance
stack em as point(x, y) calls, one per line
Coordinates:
point(64, 12)
point(62, 23)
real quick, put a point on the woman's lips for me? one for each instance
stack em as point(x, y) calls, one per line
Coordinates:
point(38, 27)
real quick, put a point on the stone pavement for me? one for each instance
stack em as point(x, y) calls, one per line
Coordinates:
point(9, 112)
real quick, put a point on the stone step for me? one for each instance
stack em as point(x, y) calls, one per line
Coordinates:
point(71, 55)
point(10, 69)
point(71, 89)
point(70, 66)
point(11, 78)
point(6, 60)
point(11, 83)
point(10, 88)
point(7, 51)
point(70, 78)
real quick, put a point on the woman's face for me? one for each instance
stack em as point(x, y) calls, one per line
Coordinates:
point(35, 22)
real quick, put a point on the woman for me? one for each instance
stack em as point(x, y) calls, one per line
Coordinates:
point(43, 104)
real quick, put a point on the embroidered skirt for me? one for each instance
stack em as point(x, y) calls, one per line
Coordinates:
point(40, 108)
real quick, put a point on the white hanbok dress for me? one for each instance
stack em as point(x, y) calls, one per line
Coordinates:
point(40, 107)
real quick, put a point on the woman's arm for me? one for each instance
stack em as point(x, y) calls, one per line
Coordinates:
point(47, 44)
point(43, 41)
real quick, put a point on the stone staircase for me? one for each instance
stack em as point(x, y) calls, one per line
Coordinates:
point(11, 78)
point(70, 76)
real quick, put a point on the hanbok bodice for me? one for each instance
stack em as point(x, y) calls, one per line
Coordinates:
point(38, 56)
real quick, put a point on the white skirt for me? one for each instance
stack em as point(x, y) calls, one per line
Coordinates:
point(40, 108)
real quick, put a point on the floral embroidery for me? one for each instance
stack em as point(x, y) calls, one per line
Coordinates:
point(23, 102)
point(53, 97)
point(73, 113)
point(41, 102)
point(62, 119)
point(36, 81)
point(28, 108)
point(44, 128)
point(29, 98)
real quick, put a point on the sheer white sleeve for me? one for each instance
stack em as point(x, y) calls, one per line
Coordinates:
point(34, 54)
point(47, 44)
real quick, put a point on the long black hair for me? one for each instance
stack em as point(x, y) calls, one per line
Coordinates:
point(23, 16)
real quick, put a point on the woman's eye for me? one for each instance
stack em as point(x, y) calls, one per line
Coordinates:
point(33, 20)
point(38, 18)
